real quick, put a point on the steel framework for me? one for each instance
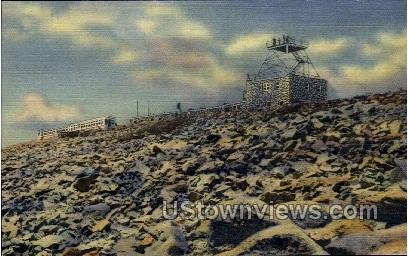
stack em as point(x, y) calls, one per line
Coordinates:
point(288, 56)
point(286, 76)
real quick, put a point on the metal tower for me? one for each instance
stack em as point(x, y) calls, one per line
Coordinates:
point(286, 76)
point(287, 56)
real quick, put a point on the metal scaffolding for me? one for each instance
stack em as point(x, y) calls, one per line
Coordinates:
point(287, 75)
point(287, 56)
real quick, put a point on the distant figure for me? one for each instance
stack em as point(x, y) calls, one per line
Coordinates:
point(248, 77)
point(179, 107)
point(274, 41)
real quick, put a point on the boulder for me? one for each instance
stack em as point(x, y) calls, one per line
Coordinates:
point(277, 197)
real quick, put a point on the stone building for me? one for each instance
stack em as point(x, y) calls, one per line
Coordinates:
point(286, 76)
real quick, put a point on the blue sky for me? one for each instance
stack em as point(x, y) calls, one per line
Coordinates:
point(65, 61)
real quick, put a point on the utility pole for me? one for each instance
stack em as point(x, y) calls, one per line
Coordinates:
point(137, 108)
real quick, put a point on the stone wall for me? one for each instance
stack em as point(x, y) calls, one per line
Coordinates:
point(305, 88)
point(285, 90)
point(268, 90)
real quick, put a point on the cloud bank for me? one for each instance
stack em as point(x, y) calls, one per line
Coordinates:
point(160, 44)
point(382, 67)
point(36, 109)
point(388, 53)
point(329, 46)
point(248, 43)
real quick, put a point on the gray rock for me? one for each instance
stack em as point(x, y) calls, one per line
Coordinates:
point(278, 197)
point(289, 134)
point(194, 196)
point(84, 184)
point(280, 172)
point(98, 210)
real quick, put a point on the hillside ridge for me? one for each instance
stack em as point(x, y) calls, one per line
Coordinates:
point(102, 193)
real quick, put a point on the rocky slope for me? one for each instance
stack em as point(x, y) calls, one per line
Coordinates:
point(102, 194)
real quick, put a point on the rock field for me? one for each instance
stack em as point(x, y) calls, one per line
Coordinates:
point(102, 193)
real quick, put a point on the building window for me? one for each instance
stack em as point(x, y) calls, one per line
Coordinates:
point(266, 87)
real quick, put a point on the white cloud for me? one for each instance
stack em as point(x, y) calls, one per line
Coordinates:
point(125, 57)
point(387, 44)
point(36, 108)
point(247, 43)
point(170, 21)
point(179, 49)
point(212, 76)
point(74, 24)
point(380, 72)
point(149, 74)
point(83, 26)
point(389, 53)
point(146, 25)
point(173, 40)
point(194, 30)
point(386, 72)
point(26, 11)
point(158, 9)
point(329, 46)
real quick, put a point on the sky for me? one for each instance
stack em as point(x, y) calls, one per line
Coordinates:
point(69, 61)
